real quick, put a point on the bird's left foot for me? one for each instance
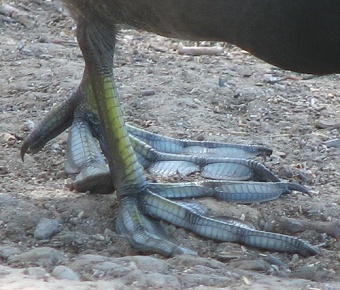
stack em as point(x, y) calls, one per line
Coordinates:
point(159, 155)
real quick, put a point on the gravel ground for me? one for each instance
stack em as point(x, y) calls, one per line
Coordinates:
point(52, 238)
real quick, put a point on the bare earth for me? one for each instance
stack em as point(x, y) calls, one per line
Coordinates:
point(232, 98)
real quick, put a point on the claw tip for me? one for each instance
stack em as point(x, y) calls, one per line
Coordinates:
point(298, 187)
point(23, 150)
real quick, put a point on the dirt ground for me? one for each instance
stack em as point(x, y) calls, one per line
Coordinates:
point(232, 97)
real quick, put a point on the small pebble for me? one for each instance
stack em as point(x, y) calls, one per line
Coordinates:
point(146, 93)
point(3, 170)
point(276, 261)
point(253, 265)
point(7, 251)
point(43, 256)
point(55, 147)
point(215, 281)
point(268, 78)
point(8, 138)
point(28, 126)
point(63, 272)
point(152, 280)
point(329, 123)
point(146, 263)
point(36, 272)
point(332, 143)
point(46, 228)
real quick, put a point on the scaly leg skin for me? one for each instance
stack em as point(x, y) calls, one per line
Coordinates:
point(140, 200)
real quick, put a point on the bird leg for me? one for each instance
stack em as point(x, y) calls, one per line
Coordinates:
point(93, 111)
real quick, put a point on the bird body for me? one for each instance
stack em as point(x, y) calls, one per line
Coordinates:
point(298, 35)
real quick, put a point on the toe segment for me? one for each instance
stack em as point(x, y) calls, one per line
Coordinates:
point(144, 233)
point(220, 230)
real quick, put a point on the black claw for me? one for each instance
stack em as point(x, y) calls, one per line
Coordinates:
point(264, 151)
point(24, 149)
point(298, 187)
point(261, 173)
point(308, 250)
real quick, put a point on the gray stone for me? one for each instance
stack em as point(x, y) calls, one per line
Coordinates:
point(44, 256)
point(113, 269)
point(146, 263)
point(332, 143)
point(194, 280)
point(46, 228)
point(185, 261)
point(101, 266)
point(63, 272)
point(36, 272)
point(161, 281)
point(253, 265)
point(7, 251)
point(137, 279)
